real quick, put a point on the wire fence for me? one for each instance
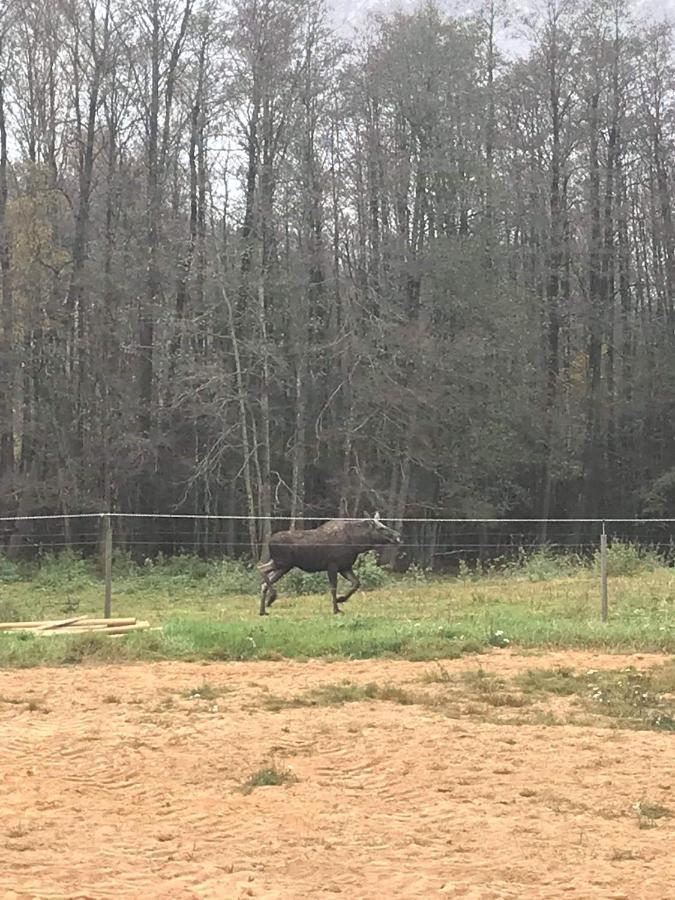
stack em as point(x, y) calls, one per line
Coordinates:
point(440, 544)
point(436, 543)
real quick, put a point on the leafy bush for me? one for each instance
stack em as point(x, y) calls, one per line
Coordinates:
point(298, 582)
point(9, 571)
point(9, 612)
point(372, 575)
point(543, 565)
point(64, 570)
point(186, 566)
point(123, 564)
point(233, 576)
point(626, 558)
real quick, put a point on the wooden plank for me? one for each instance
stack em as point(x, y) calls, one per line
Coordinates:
point(97, 629)
point(125, 629)
point(60, 624)
point(46, 626)
point(22, 626)
point(72, 629)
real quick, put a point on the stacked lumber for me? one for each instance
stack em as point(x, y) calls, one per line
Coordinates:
point(77, 625)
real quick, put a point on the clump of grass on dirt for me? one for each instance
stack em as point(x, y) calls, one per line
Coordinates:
point(632, 698)
point(205, 691)
point(649, 813)
point(493, 690)
point(342, 692)
point(268, 776)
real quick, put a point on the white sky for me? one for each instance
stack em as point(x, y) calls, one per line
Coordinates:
point(351, 12)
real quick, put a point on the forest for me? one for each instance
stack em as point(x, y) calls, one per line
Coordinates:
point(252, 263)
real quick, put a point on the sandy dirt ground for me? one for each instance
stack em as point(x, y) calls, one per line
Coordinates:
point(115, 783)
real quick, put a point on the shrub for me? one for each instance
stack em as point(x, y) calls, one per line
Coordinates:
point(9, 571)
point(626, 558)
point(299, 582)
point(123, 564)
point(64, 570)
point(543, 565)
point(372, 575)
point(233, 576)
point(186, 566)
point(9, 612)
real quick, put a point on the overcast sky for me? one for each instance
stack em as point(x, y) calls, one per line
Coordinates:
point(351, 12)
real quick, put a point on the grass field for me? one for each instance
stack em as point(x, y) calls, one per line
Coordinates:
point(209, 611)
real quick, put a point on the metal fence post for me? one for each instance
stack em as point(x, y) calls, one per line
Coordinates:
point(603, 574)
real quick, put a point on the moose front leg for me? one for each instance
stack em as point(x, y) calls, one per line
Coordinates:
point(353, 578)
point(332, 578)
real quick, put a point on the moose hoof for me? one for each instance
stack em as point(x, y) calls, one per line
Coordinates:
point(263, 612)
point(342, 599)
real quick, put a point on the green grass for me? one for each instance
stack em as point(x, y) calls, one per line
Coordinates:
point(209, 611)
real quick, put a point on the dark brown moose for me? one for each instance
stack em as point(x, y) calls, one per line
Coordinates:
point(332, 548)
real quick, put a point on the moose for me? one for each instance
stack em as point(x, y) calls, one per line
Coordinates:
point(332, 548)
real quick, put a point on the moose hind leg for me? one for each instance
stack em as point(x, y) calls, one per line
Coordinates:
point(269, 592)
point(353, 578)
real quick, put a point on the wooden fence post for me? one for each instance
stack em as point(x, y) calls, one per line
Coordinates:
point(603, 574)
point(107, 564)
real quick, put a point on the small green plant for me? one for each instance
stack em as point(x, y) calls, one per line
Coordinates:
point(418, 574)
point(498, 639)
point(268, 776)
point(438, 675)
